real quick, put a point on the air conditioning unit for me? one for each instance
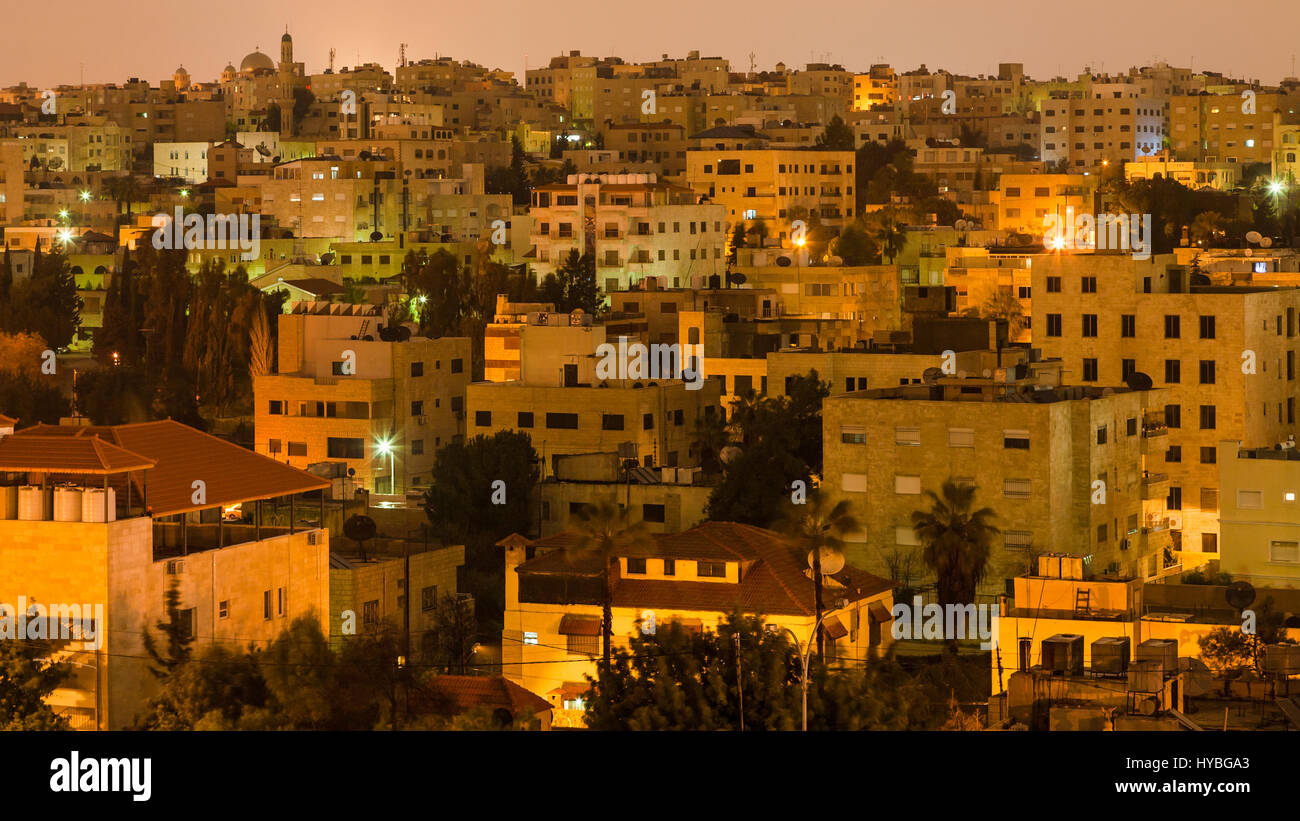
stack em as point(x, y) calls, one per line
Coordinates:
point(175, 567)
point(1282, 659)
point(1163, 652)
point(1144, 677)
point(1110, 656)
point(1063, 654)
point(312, 538)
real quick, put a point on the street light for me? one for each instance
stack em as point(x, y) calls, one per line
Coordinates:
point(806, 654)
point(384, 447)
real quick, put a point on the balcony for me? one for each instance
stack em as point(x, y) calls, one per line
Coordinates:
point(1155, 485)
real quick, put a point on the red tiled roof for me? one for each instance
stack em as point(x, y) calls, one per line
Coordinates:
point(7, 421)
point(494, 692)
point(181, 455)
point(775, 579)
point(64, 454)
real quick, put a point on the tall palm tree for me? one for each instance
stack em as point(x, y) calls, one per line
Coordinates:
point(819, 528)
point(891, 236)
point(1005, 305)
point(603, 531)
point(956, 540)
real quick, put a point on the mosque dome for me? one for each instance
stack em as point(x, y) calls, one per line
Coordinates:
point(256, 62)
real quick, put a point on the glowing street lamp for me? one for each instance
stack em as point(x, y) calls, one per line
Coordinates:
point(63, 214)
point(65, 236)
point(84, 196)
point(1276, 187)
point(384, 447)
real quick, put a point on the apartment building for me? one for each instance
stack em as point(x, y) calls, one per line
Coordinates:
point(94, 144)
point(1113, 122)
point(352, 391)
point(665, 500)
point(1194, 174)
point(1259, 514)
point(186, 161)
point(12, 167)
point(656, 147)
point(694, 579)
point(636, 227)
point(1024, 201)
point(775, 186)
point(1064, 469)
point(1225, 356)
point(1228, 128)
point(877, 87)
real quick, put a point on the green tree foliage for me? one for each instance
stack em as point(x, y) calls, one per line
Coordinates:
point(780, 441)
point(1228, 653)
point(884, 170)
point(512, 179)
point(26, 679)
point(956, 541)
point(576, 279)
point(855, 247)
point(45, 303)
point(177, 632)
point(678, 680)
point(450, 643)
point(838, 136)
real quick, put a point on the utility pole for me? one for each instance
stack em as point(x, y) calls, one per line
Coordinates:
point(740, 682)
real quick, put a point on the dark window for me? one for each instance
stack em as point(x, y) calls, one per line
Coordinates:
point(1127, 367)
point(670, 567)
point(652, 513)
point(1208, 455)
point(1207, 417)
point(1173, 416)
point(1090, 370)
point(611, 421)
point(525, 419)
point(1053, 285)
point(563, 421)
point(1053, 324)
point(1089, 324)
point(648, 421)
point(1175, 499)
point(345, 448)
point(1173, 371)
point(457, 365)
point(429, 598)
point(1207, 371)
point(1171, 326)
point(1174, 454)
point(711, 570)
point(679, 417)
point(1127, 325)
point(1015, 442)
point(1088, 285)
point(1131, 427)
point(1101, 435)
point(417, 369)
point(635, 566)
point(1209, 542)
point(275, 407)
point(483, 418)
point(1207, 327)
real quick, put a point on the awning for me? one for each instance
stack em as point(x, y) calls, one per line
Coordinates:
point(834, 628)
point(570, 690)
point(879, 612)
point(574, 625)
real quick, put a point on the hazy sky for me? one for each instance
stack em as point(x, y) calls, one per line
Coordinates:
point(149, 38)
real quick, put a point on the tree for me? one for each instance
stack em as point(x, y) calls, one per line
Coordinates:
point(1005, 306)
point(708, 438)
point(577, 279)
point(27, 677)
point(178, 630)
point(260, 353)
point(817, 528)
point(855, 247)
point(1227, 652)
point(440, 287)
point(888, 233)
point(46, 303)
point(451, 641)
point(602, 531)
point(956, 542)
point(220, 689)
point(838, 136)
point(737, 242)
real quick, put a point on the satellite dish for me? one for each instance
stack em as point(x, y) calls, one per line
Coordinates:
point(1253, 236)
point(360, 529)
point(931, 376)
point(1138, 381)
point(1250, 252)
point(961, 225)
point(376, 236)
point(738, 279)
point(835, 262)
point(832, 562)
point(1240, 595)
point(784, 262)
point(1266, 242)
point(729, 454)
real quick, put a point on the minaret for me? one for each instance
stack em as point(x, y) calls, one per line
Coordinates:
point(286, 84)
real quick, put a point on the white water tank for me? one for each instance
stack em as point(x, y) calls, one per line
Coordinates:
point(8, 502)
point(32, 503)
point(92, 505)
point(67, 504)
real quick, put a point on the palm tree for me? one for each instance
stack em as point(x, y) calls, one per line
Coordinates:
point(891, 236)
point(956, 542)
point(1005, 305)
point(707, 441)
point(819, 528)
point(603, 531)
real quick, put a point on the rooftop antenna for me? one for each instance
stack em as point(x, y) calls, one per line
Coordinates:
point(751, 63)
point(401, 55)
point(331, 61)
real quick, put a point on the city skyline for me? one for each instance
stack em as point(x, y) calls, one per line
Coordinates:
point(964, 44)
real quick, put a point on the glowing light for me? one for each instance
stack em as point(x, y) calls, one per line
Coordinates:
point(1057, 243)
point(383, 447)
point(63, 213)
point(1276, 187)
point(65, 236)
point(85, 196)
point(185, 192)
